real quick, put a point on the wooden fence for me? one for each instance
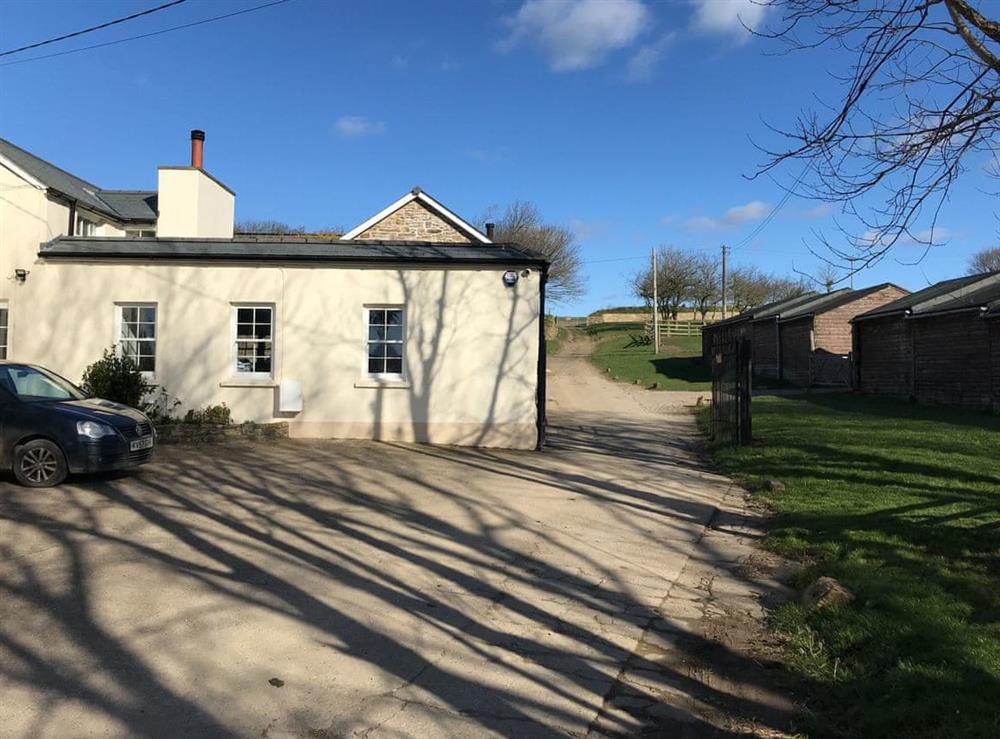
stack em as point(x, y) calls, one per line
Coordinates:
point(670, 327)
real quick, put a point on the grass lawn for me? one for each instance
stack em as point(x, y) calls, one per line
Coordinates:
point(902, 505)
point(678, 366)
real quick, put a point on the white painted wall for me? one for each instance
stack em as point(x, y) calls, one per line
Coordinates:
point(193, 205)
point(471, 342)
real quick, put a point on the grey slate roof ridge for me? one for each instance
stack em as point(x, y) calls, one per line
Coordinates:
point(797, 303)
point(834, 300)
point(760, 311)
point(316, 250)
point(89, 194)
point(944, 296)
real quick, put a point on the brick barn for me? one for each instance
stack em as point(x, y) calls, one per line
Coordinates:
point(740, 326)
point(764, 335)
point(937, 346)
point(815, 336)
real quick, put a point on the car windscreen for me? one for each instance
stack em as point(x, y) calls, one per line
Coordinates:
point(34, 384)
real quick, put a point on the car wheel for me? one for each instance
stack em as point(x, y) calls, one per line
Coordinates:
point(39, 464)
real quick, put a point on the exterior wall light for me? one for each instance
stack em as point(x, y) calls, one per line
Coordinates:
point(21, 275)
point(510, 278)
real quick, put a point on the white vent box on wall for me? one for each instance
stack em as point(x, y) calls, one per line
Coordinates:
point(290, 396)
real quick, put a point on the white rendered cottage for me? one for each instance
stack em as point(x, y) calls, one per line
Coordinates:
point(413, 326)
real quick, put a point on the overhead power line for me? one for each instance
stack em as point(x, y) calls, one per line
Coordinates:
point(147, 35)
point(115, 22)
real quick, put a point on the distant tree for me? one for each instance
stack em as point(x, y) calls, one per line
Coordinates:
point(706, 283)
point(749, 288)
point(827, 276)
point(521, 223)
point(675, 278)
point(250, 226)
point(988, 260)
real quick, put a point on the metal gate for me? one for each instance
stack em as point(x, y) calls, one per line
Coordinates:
point(731, 418)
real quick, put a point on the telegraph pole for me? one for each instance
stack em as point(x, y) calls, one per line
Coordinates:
point(656, 309)
point(725, 251)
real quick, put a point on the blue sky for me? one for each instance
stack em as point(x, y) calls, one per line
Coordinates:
point(631, 122)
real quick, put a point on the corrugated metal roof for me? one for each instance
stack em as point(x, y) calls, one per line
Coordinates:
point(286, 250)
point(85, 193)
point(962, 293)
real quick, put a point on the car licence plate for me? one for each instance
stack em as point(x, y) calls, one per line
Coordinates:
point(140, 444)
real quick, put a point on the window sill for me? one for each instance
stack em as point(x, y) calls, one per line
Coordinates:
point(372, 382)
point(249, 382)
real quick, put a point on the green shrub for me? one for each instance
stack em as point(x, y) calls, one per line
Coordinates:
point(115, 377)
point(211, 414)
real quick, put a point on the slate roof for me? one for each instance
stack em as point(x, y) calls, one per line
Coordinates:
point(972, 292)
point(768, 310)
point(829, 301)
point(132, 205)
point(287, 249)
point(135, 205)
point(782, 308)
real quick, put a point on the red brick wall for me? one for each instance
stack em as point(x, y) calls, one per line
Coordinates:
point(952, 364)
point(796, 344)
point(764, 336)
point(833, 328)
point(885, 356)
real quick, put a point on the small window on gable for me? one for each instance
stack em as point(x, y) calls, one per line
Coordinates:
point(141, 233)
point(253, 331)
point(386, 331)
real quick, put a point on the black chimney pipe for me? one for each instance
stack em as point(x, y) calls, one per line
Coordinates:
point(490, 228)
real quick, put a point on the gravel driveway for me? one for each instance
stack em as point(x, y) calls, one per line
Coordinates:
point(327, 589)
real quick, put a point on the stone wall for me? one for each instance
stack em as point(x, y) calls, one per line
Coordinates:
point(210, 433)
point(415, 222)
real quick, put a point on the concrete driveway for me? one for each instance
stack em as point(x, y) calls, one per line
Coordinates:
point(327, 589)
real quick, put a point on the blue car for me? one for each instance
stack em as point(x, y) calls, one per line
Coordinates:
point(49, 427)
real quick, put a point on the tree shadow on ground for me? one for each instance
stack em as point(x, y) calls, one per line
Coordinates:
point(423, 578)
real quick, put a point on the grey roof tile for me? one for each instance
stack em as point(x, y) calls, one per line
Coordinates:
point(76, 188)
point(962, 293)
point(132, 205)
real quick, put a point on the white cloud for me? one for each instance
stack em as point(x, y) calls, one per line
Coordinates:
point(577, 34)
point(735, 216)
point(584, 229)
point(819, 211)
point(701, 223)
point(641, 64)
point(355, 126)
point(729, 17)
point(752, 211)
point(928, 237)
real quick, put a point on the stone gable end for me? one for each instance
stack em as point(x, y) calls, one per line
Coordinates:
point(415, 222)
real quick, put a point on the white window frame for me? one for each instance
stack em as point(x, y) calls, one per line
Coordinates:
point(119, 307)
point(234, 351)
point(5, 346)
point(84, 224)
point(140, 233)
point(387, 376)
